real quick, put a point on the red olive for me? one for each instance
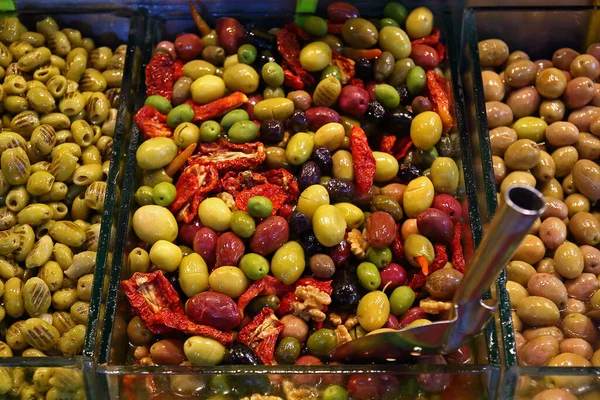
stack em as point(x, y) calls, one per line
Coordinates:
point(213, 309)
point(411, 315)
point(436, 225)
point(340, 12)
point(449, 205)
point(205, 244)
point(188, 46)
point(187, 232)
point(270, 235)
point(231, 34)
point(230, 249)
point(424, 56)
point(392, 276)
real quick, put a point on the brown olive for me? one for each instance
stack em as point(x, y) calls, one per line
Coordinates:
point(551, 188)
point(545, 169)
point(568, 185)
point(546, 265)
point(542, 65)
point(585, 228)
point(562, 58)
point(520, 341)
point(555, 208)
point(532, 333)
point(583, 117)
point(492, 52)
point(322, 266)
point(579, 92)
point(442, 284)
point(168, 352)
point(493, 86)
point(579, 326)
point(499, 169)
point(588, 146)
point(568, 260)
point(539, 351)
point(553, 232)
point(562, 134)
point(522, 155)
point(516, 56)
point(565, 159)
point(294, 327)
point(137, 332)
point(552, 111)
point(554, 394)
point(520, 272)
point(551, 83)
point(360, 33)
point(498, 114)
point(585, 65)
point(501, 138)
point(524, 101)
point(586, 175)
point(577, 346)
point(591, 259)
point(531, 250)
point(520, 73)
point(582, 287)
point(548, 286)
point(577, 203)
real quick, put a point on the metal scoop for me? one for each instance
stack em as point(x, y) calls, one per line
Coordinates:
point(521, 207)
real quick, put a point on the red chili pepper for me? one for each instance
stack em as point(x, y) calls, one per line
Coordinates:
point(177, 70)
point(218, 107)
point(402, 147)
point(152, 123)
point(261, 335)
point(364, 162)
point(369, 54)
point(439, 98)
point(334, 29)
point(440, 260)
point(357, 82)
point(345, 65)
point(288, 47)
point(159, 76)
point(265, 286)
point(157, 303)
point(228, 156)
point(202, 26)
point(194, 184)
point(387, 143)
point(458, 260)
point(431, 40)
point(398, 245)
point(273, 192)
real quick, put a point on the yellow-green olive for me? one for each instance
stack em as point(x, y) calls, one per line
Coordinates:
point(229, 280)
point(40, 253)
point(288, 262)
point(312, 198)
point(386, 166)
point(156, 153)
point(31, 61)
point(277, 108)
point(193, 275)
point(13, 297)
point(51, 273)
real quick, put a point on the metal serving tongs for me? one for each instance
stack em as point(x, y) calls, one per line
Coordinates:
point(521, 207)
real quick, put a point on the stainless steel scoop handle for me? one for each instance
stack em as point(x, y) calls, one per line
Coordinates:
point(521, 207)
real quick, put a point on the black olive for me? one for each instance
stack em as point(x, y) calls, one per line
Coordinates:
point(445, 146)
point(247, 385)
point(240, 354)
point(311, 245)
point(298, 122)
point(265, 56)
point(271, 131)
point(259, 38)
point(405, 97)
point(310, 173)
point(340, 190)
point(345, 289)
point(398, 121)
point(363, 68)
point(322, 157)
point(408, 172)
point(299, 223)
point(375, 111)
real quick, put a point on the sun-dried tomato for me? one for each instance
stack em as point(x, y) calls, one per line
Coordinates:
point(228, 156)
point(283, 178)
point(440, 260)
point(294, 74)
point(334, 29)
point(157, 303)
point(441, 52)
point(261, 335)
point(431, 40)
point(398, 245)
point(274, 193)
point(218, 107)
point(402, 147)
point(177, 70)
point(369, 54)
point(439, 98)
point(345, 65)
point(235, 182)
point(357, 82)
point(458, 260)
point(194, 184)
point(286, 211)
point(296, 30)
point(152, 123)
point(262, 287)
point(364, 162)
point(387, 143)
point(159, 76)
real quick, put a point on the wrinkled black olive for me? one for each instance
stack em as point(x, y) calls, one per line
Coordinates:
point(299, 224)
point(271, 131)
point(363, 68)
point(309, 175)
point(375, 111)
point(311, 245)
point(405, 98)
point(398, 121)
point(322, 157)
point(298, 122)
point(408, 172)
point(345, 289)
point(340, 190)
point(240, 354)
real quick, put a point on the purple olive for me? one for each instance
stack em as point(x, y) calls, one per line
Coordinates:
point(436, 225)
point(322, 156)
point(298, 122)
point(271, 131)
point(310, 173)
point(433, 383)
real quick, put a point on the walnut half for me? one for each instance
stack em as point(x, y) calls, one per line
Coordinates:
point(311, 304)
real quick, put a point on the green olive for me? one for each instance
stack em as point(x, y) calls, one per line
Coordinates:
point(203, 351)
point(241, 78)
point(321, 342)
point(299, 148)
point(353, 215)
point(444, 175)
point(311, 199)
point(426, 130)
point(329, 225)
point(165, 255)
point(386, 166)
point(418, 196)
point(215, 214)
point(208, 88)
point(288, 263)
point(373, 310)
point(315, 56)
point(395, 41)
point(156, 152)
point(228, 280)
point(146, 228)
point(418, 246)
point(419, 23)
point(360, 33)
point(288, 351)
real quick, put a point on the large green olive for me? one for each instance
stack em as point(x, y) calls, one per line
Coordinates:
point(228, 280)
point(418, 196)
point(152, 223)
point(278, 109)
point(207, 88)
point(288, 262)
point(444, 175)
point(203, 351)
point(395, 41)
point(373, 310)
point(299, 148)
point(215, 214)
point(360, 33)
point(156, 153)
point(386, 166)
point(312, 198)
point(315, 56)
point(538, 311)
point(241, 78)
point(329, 225)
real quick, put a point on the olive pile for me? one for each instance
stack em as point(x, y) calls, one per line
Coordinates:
point(327, 230)
point(59, 99)
point(544, 120)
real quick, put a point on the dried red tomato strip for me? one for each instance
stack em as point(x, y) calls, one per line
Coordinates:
point(193, 185)
point(369, 54)
point(357, 82)
point(274, 193)
point(387, 143)
point(440, 260)
point(398, 245)
point(177, 70)
point(402, 147)
point(439, 98)
point(265, 286)
point(364, 162)
point(290, 80)
point(218, 107)
point(334, 29)
point(159, 76)
point(296, 30)
point(157, 303)
point(345, 65)
point(431, 40)
point(152, 123)
point(228, 156)
point(288, 47)
point(441, 51)
point(261, 335)
point(458, 259)
point(286, 211)
point(282, 177)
